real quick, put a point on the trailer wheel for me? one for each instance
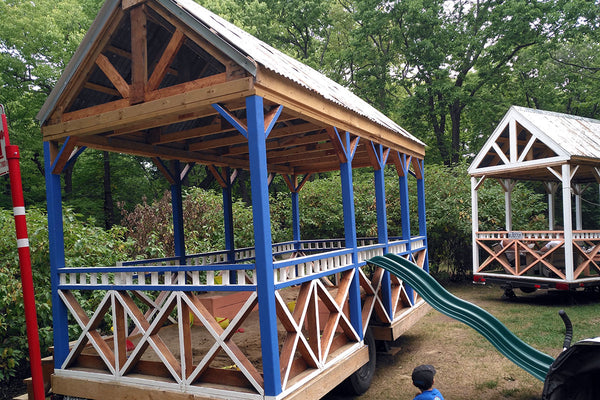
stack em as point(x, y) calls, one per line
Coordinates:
point(360, 381)
point(527, 289)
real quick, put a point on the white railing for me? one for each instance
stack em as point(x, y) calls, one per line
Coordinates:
point(149, 277)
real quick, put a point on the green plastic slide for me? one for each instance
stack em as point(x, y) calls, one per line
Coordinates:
point(513, 348)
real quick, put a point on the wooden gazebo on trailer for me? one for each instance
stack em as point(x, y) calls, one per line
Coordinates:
point(559, 150)
point(168, 80)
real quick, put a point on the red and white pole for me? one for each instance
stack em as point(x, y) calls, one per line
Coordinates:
point(16, 188)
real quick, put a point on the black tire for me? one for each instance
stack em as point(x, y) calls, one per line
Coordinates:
point(360, 381)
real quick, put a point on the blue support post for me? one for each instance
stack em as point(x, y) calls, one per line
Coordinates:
point(421, 208)
point(382, 230)
point(350, 235)
point(263, 245)
point(296, 219)
point(405, 210)
point(177, 207)
point(228, 224)
point(57, 259)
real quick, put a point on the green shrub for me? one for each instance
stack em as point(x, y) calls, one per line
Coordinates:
point(150, 225)
point(85, 245)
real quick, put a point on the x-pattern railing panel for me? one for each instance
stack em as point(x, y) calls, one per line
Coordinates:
point(223, 340)
point(519, 248)
point(147, 327)
point(89, 328)
point(589, 250)
point(305, 333)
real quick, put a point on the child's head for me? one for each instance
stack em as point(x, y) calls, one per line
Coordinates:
point(422, 376)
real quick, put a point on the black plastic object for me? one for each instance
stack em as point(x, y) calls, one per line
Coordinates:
point(568, 329)
point(574, 374)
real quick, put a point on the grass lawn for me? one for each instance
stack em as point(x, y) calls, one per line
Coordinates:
point(468, 366)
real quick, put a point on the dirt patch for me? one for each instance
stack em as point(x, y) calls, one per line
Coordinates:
point(468, 366)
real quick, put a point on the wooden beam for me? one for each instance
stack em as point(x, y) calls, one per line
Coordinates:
point(166, 173)
point(331, 377)
point(319, 110)
point(337, 146)
point(239, 139)
point(402, 324)
point(86, 68)
point(155, 95)
point(127, 54)
point(187, 134)
point(192, 35)
point(165, 60)
point(65, 156)
point(152, 113)
point(147, 150)
point(297, 153)
point(125, 4)
point(139, 54)
point(284, 143)
point(101, 89)
point(113, 75)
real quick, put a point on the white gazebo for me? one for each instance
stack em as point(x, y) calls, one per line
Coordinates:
point(561, 151)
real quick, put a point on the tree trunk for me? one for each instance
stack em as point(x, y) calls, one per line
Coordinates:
point(68, 175)
point(109, 213)
point(455, 111)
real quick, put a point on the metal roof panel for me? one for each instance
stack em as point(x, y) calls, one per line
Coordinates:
point(578, 136)
point(288, 67)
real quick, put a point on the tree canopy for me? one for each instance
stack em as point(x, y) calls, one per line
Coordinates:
point(445, 70)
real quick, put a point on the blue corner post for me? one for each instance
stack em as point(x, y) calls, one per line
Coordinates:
point(57, 259)
point(405, 209)
point(177, 206)
point(263, 245)
point(421, 208)
point(382, 227)
point(350, 231)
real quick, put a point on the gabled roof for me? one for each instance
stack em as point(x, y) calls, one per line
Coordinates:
point(528, 143)
point(284, 65)
point(201, 60)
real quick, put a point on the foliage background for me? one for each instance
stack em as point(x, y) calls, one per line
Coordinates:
point(445, 70)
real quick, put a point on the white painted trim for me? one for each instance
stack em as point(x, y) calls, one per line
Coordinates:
point(526, 165)
point(577, 189)
point(479, 183)
point(85, 330)
point(512, 140)
point(475, 220)
point(532, 140)
point(556, 174)
point(501, 153)
point(567, 220)
point(534, 278)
